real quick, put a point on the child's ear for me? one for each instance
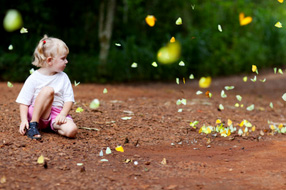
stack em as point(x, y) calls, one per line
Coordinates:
point(49, 60)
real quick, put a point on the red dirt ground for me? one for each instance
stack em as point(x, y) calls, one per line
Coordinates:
point(155, 132)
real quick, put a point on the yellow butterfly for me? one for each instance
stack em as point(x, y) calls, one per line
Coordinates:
point(119, 149)
point(278, 25)
point(150, 20)
point(205, 82)
point(244, 20)
point(41, 159)
point(179, 21)
point(172, 40)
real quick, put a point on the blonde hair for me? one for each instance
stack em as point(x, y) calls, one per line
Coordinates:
point(48, 47)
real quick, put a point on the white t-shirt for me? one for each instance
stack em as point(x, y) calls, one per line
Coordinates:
point(36, 81)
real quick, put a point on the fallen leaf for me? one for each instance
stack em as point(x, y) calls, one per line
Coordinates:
point(105, 91)
point(221, 107)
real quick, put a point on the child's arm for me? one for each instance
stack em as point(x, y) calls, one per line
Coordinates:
point(24, 119)
point(62, 117)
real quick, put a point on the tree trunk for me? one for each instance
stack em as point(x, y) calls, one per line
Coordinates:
point(106, 17)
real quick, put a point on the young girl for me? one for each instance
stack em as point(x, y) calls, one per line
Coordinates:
point(47, 95)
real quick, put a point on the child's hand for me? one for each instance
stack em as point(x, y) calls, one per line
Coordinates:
point(23, 126)
point(60, 119)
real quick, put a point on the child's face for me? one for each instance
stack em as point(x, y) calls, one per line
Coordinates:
point(59, 63)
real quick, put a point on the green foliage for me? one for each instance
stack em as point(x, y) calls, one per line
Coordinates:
point(205, 50)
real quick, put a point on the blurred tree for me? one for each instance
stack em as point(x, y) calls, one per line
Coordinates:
point(106, 17)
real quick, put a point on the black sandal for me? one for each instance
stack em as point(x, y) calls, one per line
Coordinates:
point(33, 131)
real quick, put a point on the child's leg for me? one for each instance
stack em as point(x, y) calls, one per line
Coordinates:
point(42, 110)
point(68, 129)
point(43, 104)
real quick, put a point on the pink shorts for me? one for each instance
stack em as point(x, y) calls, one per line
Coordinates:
point(45, 123)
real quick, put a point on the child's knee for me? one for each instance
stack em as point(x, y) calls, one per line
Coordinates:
point(72, 131)
point(49, 91)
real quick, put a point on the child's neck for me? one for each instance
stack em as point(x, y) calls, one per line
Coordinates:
point(46, 71)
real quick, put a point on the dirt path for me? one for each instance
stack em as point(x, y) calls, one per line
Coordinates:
point(155, 132)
